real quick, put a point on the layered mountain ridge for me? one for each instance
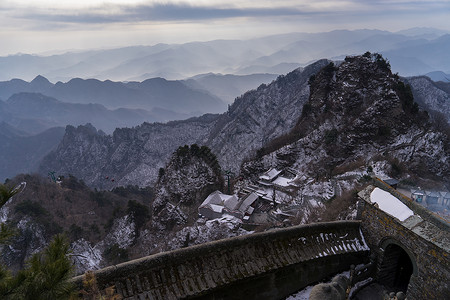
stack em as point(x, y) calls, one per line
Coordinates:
point(134, 155)
point(411, 52)
point(356, 107)
point(324, 128)
point(148, 94)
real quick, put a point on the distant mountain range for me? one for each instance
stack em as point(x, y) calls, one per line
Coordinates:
point(35, 112)
point(35, 106)
point(438, 76)
point(317, 120)
point(228, 87)
point(153, 93)
point(411, 52)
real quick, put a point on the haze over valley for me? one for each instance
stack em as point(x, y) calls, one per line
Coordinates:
point(135, 128)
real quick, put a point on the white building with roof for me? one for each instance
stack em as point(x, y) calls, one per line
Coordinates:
point(217, 204)
point(431, 197)
point(270, 174)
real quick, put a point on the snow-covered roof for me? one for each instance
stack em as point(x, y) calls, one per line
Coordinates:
point(391, 181)
point(218, 198)
point(220, 203)
point(390, 204)
point(231, 202)
point(270, 174)
point(248, 200)
point(417, 192)
point(216, 208)
point(283, 181)
point(213, 198)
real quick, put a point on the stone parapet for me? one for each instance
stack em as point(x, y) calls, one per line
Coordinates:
point(426, 244)
point(261, 265)
point(417, 208)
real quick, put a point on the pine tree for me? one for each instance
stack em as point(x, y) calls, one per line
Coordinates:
point(46, 275)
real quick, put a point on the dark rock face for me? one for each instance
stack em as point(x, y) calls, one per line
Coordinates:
point(190, 176)
point(129, 156)
point(79, 148)
point(261, 115)
point(359, 110)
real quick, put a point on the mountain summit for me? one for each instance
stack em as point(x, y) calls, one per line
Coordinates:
point(359, 114)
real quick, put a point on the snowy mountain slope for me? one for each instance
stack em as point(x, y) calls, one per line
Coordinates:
point(129, 156)
point(357, 111)
point(134, 155)
point(360, 113)
point(261, 115)
point(191, 174)
point(430, 95)
point(99, 225)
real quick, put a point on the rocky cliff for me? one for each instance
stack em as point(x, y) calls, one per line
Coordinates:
point(261, 115)
point(360, 114)
point(190, 176)
point(129, 156)
point(432, 96)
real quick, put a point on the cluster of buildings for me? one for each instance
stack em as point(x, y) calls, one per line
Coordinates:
point(218, 204)
point(262, 196)
point(431, 198)
point(436, 201)
point(251, 197)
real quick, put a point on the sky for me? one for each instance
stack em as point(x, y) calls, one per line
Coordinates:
point(49, 26)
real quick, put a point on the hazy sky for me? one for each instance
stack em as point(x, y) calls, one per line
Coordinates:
point(34, 26)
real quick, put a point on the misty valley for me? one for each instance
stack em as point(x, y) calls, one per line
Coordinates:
point(260, 156)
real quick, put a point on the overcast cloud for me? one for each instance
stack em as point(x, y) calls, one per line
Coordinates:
point(46, 25)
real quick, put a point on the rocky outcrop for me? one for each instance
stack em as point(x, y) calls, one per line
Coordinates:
point(357, 110)
point(129, 156)
point(192, 173)
point(360, 113)
point(190, 176)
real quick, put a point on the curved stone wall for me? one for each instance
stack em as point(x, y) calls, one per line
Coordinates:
point(268, 265)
